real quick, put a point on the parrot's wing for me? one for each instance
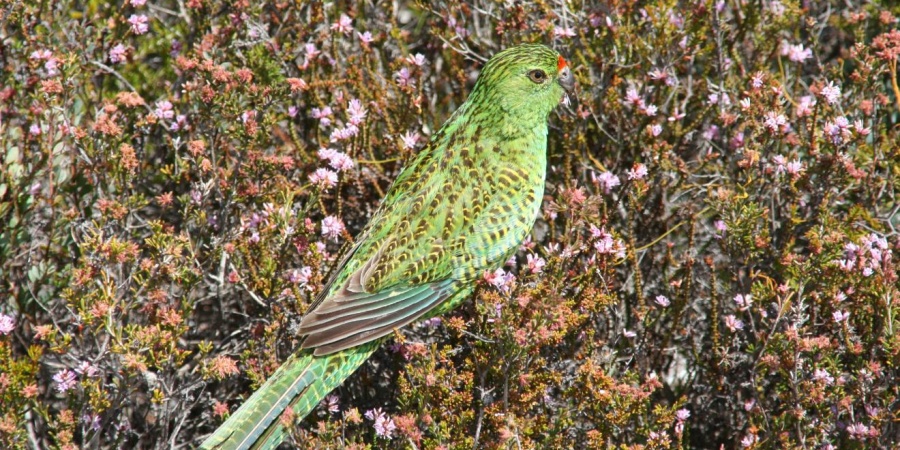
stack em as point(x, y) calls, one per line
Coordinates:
point(352, 316)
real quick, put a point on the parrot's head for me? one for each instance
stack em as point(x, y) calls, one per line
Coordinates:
point(526, 80)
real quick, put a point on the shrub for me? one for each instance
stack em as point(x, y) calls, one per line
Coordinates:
point(713, 266)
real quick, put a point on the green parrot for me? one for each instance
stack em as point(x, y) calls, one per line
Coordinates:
point(461, 207)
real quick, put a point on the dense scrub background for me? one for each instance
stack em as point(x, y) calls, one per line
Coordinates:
point(713, 267)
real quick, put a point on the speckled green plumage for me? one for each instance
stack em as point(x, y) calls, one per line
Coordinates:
point(462, 206)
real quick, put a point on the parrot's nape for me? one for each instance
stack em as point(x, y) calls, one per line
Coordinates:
point(462, 206)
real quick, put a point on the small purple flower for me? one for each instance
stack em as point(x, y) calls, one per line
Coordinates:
point(733, 323)
point(384, 425)
point(65, 380)
point(831, 93)
point(7, 324)
point(343, 25)
point(840, 316)
point(139, 23)
point(342, 134)
point(417, 60)
point(164, 110)
point(332, 403)
point(404, 78)
point(605, 181)
point(823, 376)
point(324, 178)
point(564, 32)
point(332, 227)
point(300, 276)
point(138, 3)
point(117, 54)
point(365, 38)
point(356, 111)
point(682, 414)
point(743, 301)
point(34, 130)
point(662, 300)
point(409, 139)
point(91, 420)
point(535, 263)
point(292, 111)
point(796, 53)
point(637, 173)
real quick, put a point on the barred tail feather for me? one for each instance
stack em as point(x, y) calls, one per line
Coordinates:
point(300, 383)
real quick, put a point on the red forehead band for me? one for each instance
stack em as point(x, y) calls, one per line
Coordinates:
point(561, 63)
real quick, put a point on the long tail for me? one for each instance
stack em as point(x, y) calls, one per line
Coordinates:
point(300, 383)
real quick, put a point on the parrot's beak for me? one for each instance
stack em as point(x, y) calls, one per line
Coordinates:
point(564, 75)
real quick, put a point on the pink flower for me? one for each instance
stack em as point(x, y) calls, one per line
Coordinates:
point(117, 54)
point(535, 263)
point(384, 425)
point(323, 178)
point(332, 227)
point(417, 60)
point(658, 75)
point(332, 404)
point(743, 301)
point(858, 431)
point(682, 414)
point(564, 32)
point(749, 440)
point(138, 3)
point(409, 139)
point(499, 279)
point(65, 380)
point(343, 25)
point(138, 23)
point(733, 323)
point(796, 53)
point(831, 93)
point(637, 173)
point(34, 130)
point(300, 276)
point(341, 162)
point(655, 129)
point(745, 103)
point(7, 324)
point(41, 55)
point(757, 81)
point(605, 244)
point(794, 168)
point(342, 134)
point(662, 300)
point(823, 376)
point(776, 122)
point(632, 97)
point(805, 107)
point(356, 112)
point(366, 38)
point(311, 51)
point(404, 78)
point(292, 111)
point(779, 161)
point(323, 115)
point(840, 316)
point(164, 110)
point(650, 110)
point(605, 181)
point(87, 369)
point(629, 334)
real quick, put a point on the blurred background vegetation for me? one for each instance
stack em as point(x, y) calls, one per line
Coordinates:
point(712, 267)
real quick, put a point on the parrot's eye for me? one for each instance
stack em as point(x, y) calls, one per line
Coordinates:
point(538, 76)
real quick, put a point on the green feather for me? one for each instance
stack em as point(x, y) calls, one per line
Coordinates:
point(462, 206)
